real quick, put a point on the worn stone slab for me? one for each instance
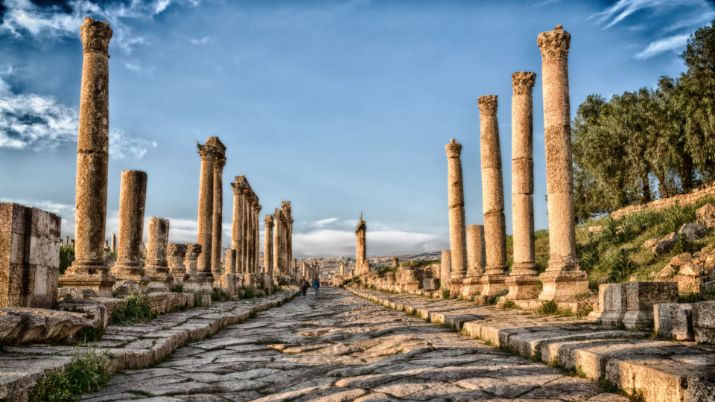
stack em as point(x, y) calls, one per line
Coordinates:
point(659, 370)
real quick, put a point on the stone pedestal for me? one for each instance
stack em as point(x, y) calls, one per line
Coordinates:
point(132, 194)
point(29, 256)
point(563, 279)
point(673, 321)
point(228, 278)
point(704, 321)
point(89, 270)
point(631, 304)
point(157, 266)
point(493, 199)
point(177, 256)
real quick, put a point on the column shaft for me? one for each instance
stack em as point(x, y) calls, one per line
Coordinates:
point(205, 219)
point(217, 216)
point(455, 191)
point(132, 195)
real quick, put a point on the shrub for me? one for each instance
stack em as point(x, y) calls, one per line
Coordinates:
point(548, 308)
point(509, 304)
point(136, 308)
point(621, 267)
point(66, 257)
point(86, 372)
point(445, 293)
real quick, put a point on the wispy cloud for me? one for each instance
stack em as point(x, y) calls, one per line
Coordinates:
point(201, 41)
point(35, 122)
point(332, 242)
point(663, 45)
point(43, 20)
point(324, 222)
point(669, 22)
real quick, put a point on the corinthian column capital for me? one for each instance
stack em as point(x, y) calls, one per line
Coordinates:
point(95, 36)
point(453, 149)
point(523, 82)
point(554, 44)
point(487, 105)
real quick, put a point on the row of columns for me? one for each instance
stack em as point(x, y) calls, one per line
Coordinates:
point(245, 230)
point(283, 240)
point(481, 259)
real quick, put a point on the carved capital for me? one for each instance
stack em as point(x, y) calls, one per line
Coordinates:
point(488, 105)
point(554, 44)
point(523, 82)
point(176, 249)
point(95, 36)
point(453, 148)
point(268, 221)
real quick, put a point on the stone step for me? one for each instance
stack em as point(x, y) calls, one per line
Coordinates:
point(128, 346)
point(655, 370)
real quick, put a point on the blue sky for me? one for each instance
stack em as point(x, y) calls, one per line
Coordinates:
point(338, 106)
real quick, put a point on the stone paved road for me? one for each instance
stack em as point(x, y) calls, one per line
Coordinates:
point(338, 347)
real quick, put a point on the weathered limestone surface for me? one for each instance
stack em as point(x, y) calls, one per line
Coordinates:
point(523, 282)
point(704, 321)
point(213, 157)
point(493, 198)
point(135, 346)
point(660, 371)
point(455, 197)
point(89, 270)
point(176, 257)
point(157, 266)
point(217, 216)
point(563, 279)
point(340, 348)
point(673, 321)
point(268, 253)
point(445, 269)
point(132, 196)
point(29, 256)
point(631, 304)
point(361, 264)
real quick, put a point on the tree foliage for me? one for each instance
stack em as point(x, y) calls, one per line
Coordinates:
point(649, 143)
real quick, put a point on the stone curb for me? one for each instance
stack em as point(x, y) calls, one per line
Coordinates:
point(657, 371)
point(130, 346)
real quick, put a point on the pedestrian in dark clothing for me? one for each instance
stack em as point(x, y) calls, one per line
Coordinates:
point(304, 287)
point(316, 285)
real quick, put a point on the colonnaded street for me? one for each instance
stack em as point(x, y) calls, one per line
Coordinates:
point(337, 346)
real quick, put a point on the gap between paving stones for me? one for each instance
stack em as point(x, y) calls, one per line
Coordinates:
point(651, 369)
point(131, 346)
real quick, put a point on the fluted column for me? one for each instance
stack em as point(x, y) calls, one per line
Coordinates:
point(455, 196)
point(217, 216)
point(563, 279)
point(132, 195)
point(157, 266)
point(493, 198)
point(89, 270)
point(522, 281)
point(268, 253)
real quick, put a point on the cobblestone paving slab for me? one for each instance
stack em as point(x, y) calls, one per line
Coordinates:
point(338, 347)
point(654, 370)
point(129, 346)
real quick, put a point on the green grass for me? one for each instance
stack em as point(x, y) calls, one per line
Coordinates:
point(445, 293)
point(218, 295)
point(135, 309)
point(548, 308)
point(86, 372)
point(509, 304)
point(66, 257)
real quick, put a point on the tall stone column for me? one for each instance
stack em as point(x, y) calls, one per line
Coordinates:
point(268, 253)
point(276, 241)
point(217, 216)
point(445, 269)
point(114, 243)
point(251, 237)
point(205, 216)
point(475, 261)
point(245, 231)
point(257, 242)
point(563, 279)
point(176, 256)
point(89, 271)
point(236, 224)
point(132, 195)
point(157, 266)
point(455, 191)
point(361, 265)
point(523, 282)
point(493, 198)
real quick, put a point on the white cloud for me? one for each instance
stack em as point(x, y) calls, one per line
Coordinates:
point(35, 122)
point(201, 41)
point(674, 42)
point(24, 17)
point(331, 242)
point(324, 222)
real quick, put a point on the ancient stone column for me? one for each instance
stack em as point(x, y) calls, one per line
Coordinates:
point(193, 250)
point(132, 195)
point(257, 241)
point(251, 234)
point(205, 216)
point(236, 223)
point(276, 241)
point(176, 256)
point(475, 250)
point(217, 216)
point(361, 265)
point(157, 267)
point(445, 269)
point(227, 280)
point(89, 271)
point(493, 198)
point(563, 279)
point(114, 243)
point(268, 253)
point(245, 231)
point(523, 282)
point(455, 196)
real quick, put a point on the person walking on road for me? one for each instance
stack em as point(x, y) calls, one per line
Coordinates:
point(304, 286)
point(316, 285)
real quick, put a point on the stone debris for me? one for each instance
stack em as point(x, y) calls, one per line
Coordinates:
point(674, 321)
point(692, 231)
point(705, 215)
point(704, 321)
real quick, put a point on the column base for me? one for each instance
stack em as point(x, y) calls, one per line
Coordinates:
point(132, 273)
point(471, 286)
point(493, 285)
point(178, 277)
point(523, 287)
point(563, 285)
point(228, 284)
point(159, 279)
point(90, 276)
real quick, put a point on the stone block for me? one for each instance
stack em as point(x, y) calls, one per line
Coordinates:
point(704, 321)
point(29, 256)
point(673, 320)
point(631, 304)
point(430, 284)
point(705, 215)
